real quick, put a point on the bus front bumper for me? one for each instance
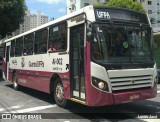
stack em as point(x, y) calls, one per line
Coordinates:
point(135, 95)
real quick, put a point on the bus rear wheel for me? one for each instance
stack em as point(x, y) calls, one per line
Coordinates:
point(59, 94)
point(15, 84)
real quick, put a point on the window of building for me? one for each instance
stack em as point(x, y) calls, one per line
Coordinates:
point(149, 2)
point(19, 46)
point(12, 48)
point(142, 0)
point(149, 11)
point(40, 45)
point(28, 44)
point(58, 37)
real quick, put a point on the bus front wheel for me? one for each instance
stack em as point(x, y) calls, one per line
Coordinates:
point(59, 94)
point(15, 79)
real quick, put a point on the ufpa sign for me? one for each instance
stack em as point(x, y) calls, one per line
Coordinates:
point(102, 15)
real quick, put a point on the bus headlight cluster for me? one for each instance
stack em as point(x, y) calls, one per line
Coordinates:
point(100, 84)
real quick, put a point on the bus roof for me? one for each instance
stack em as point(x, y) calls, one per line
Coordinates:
point(66, 17)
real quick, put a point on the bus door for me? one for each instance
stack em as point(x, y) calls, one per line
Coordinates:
point(77, 62)
point(7, 62)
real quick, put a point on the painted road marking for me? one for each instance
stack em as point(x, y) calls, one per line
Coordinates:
point(13, 107)
point(32, 109)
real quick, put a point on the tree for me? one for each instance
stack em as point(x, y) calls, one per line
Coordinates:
point(125, 4)
point(11, 15)
point(100, 4)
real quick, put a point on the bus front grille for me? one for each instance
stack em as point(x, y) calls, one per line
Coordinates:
point(133, 82)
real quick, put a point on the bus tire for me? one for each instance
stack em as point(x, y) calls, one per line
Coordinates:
point(15, 84)
point(59, 94)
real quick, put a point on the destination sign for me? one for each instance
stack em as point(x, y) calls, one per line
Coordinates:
point(106, 14)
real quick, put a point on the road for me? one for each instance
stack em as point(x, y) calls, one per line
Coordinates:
point(31, 101)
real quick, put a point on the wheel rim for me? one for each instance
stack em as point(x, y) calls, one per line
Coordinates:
point(59, 92)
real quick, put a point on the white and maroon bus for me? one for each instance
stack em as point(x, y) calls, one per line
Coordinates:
point(95, 56)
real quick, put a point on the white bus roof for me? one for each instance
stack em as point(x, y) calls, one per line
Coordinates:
point(61, 19)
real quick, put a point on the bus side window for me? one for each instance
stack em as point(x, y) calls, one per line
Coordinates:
point(12, 51)
point(58, 38)
point(28, 44)
point(40, 45)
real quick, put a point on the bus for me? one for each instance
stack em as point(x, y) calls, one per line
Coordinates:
point(95, 56)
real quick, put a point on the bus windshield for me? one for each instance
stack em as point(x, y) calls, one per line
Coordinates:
point(121, 44)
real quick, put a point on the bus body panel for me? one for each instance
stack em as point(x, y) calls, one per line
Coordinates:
point(36, 72)
point(40, 81)
point(135, 95)
point(99, 98)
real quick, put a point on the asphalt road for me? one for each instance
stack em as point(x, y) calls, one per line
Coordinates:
point(40, 105)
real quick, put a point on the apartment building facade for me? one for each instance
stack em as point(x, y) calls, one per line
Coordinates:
point(31, 21)
point(152, 7)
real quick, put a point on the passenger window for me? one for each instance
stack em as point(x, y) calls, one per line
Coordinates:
point(58, 38)
point(28, 44)
point(40, 45)
point(19, 46)
point(12, 48)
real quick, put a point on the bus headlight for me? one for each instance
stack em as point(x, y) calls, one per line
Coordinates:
point(100, 84)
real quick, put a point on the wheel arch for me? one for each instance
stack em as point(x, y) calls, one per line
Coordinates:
point(52, 82)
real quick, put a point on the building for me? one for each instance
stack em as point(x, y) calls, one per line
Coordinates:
point(74, 5)
point(31, 21)
point(152, 7)
point(24, 26)
point(37, 20)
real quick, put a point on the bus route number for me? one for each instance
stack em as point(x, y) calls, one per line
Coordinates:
point(103, 15)
point(58, 61)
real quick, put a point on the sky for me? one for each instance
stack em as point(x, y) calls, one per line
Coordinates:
point(50, 8)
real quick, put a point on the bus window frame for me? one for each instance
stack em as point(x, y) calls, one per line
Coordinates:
point(39, 42)
point(66, 40)
point(33, 33)
point(19, 47)
point(14, 40)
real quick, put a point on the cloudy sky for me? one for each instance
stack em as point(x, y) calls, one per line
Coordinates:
point(51, 8)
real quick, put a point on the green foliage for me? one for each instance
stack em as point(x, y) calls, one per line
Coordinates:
point(157, 49)
point(100, 4)
point(157, 40)
point(11, 15)
point(124, 4)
